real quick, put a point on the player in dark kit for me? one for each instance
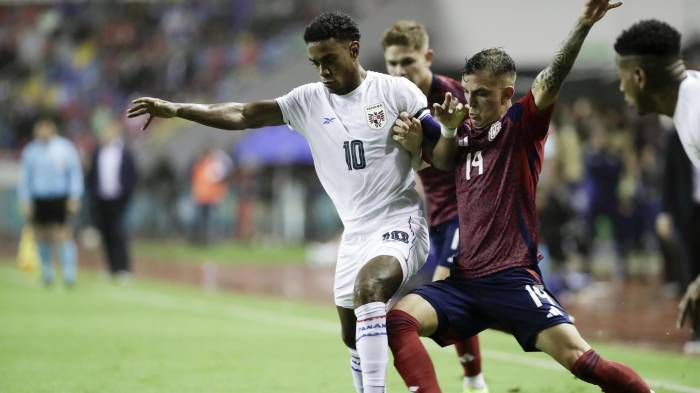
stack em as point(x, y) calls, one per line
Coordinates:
point(407, 53)
point(497, 158)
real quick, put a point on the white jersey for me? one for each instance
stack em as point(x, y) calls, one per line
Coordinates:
point(364, 171)
point(686, 117)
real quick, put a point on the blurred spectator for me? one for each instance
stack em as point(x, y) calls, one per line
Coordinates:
point(50, 189)
point(110, 184)
point(603, 169)
point(161, 185)
point(209, 188)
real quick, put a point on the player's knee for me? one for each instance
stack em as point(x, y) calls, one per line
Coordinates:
point(378, 288)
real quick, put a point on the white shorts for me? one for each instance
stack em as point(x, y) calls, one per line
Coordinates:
point(403, 237)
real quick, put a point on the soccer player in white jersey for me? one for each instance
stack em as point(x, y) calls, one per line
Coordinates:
point(654, 79)
point(347, 120)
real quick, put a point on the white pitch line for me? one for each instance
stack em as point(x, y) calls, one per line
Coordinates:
point(238, 311)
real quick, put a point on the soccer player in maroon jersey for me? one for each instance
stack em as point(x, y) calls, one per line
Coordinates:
point(497, 157)
point(407, 54)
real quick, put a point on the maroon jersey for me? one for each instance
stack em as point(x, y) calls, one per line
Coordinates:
point(439, 185)
point(497, 172)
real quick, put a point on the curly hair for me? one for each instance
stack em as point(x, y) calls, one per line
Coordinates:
point(649, 37)
point(332, 25)
point(406, 33)
point(495, 60)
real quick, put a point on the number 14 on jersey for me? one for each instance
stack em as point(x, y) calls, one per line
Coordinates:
point(477, 161)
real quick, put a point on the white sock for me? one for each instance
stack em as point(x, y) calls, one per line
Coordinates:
point(356, 370)
point(475, 382)
point(372, 345)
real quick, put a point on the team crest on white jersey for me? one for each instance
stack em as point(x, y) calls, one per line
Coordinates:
point(376, 116)
point(494, 130)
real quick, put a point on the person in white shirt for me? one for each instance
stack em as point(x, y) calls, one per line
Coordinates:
point(654, 79)
point(347, 120)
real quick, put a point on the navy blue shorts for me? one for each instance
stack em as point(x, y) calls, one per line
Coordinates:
point(444, 244)
point(512, 300)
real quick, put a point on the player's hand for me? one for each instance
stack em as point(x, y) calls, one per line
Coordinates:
point(689, 307)
point(72, 206)
point(153, 107)
point(451, 112)
point(408, 132)
point(595, 10)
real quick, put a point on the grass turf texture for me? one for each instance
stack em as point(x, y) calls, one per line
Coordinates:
point(153, 337)
point(221, 253)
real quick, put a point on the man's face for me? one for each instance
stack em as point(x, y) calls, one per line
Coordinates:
point(336, 63)
point(44, 130)
point(632, 82)
point(408, 62)
point(486, 95)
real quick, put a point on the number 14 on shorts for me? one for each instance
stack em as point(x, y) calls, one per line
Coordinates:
point(538, 295)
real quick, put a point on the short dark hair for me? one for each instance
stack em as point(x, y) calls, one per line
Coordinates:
point(495, 60)
point(405, 33)
point(649, 37)
point(332, 25)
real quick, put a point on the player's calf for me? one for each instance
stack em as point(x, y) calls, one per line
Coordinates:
point(612, 377)
point(376, 282)
point(564, 343)
point(410, 357)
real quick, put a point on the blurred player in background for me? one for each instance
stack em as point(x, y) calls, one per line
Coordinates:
point(50, 189)
point(654, 79)
point(347, 120)
point(496, 282)
point(407, 54)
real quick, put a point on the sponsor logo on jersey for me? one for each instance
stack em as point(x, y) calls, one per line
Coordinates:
point(328, 120)
point(463, 142)
point(376, 116)
point(494, 130)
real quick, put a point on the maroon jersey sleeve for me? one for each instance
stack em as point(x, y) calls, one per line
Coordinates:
point(535, 121)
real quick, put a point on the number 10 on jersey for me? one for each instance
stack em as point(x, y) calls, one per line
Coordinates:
point(354, 154)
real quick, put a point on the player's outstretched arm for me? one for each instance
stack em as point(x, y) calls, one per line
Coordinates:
point(451, 115)
point(545, 88)
point(227, 116)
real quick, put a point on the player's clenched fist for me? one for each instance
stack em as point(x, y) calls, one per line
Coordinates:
point(408, 133)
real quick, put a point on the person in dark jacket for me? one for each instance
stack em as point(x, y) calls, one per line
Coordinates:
point(110, 183)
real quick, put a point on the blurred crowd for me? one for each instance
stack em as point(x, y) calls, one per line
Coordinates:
point(601, 191)
point(84, 60)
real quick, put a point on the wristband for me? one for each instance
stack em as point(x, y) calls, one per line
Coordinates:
point(448, 133)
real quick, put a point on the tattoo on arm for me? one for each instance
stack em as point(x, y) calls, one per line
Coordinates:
point(551, 78)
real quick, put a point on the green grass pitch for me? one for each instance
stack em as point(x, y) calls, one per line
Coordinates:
point(153, 337)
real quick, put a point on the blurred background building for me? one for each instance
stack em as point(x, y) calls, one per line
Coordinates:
point(601, 188)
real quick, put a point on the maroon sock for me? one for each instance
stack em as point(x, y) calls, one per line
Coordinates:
point(469, 355)
point(612, 377)
point(410, 357)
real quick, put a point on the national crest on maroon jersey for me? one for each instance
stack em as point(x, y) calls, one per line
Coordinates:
point(376, 116)
point(494, 130)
